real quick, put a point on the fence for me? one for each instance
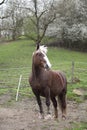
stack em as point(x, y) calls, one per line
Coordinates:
point(10, 77)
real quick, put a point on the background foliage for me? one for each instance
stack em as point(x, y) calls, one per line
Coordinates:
point(65, 21)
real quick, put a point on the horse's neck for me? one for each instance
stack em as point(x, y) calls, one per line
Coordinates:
point(35, 71)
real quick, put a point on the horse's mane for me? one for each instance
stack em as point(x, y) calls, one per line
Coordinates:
point(43, 49)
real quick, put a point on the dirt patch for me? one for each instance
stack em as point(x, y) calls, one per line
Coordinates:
point(80, 91)
point(23, 115)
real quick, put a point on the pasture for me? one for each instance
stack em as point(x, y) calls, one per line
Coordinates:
point(15, 60)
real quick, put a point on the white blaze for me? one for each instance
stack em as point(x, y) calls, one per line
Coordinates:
point(47, 61)
point(43, 49)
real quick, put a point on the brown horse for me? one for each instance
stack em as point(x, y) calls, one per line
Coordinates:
point(47, 83)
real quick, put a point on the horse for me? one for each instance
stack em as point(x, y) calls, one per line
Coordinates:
point(47, 83)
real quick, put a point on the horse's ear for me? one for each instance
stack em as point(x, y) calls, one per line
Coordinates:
point(37, 46)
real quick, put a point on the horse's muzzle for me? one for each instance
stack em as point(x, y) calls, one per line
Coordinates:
point(47, 67)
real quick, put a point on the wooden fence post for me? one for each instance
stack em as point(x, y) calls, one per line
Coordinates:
point(72, 77)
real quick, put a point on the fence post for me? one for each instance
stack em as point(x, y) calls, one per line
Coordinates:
point(18, 87)
point(72, 77)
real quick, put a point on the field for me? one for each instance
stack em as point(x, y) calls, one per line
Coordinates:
point(15, 60)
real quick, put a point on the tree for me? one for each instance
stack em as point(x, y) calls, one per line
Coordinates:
point(34, 15)
point(76, 24)
point(41, 15)
point(71, 23)
point(14, 22)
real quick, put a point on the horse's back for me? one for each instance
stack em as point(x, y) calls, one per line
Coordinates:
point(62, 76)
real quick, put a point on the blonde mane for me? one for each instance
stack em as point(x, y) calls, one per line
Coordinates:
point(43, 49)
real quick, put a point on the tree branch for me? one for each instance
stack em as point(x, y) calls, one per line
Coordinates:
point(2, 2)
point(41, 14)
point(4, 17)
point(26, 8)
point(43, 34)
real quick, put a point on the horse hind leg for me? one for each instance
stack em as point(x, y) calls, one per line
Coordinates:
point(62, 103)
point(55, 106)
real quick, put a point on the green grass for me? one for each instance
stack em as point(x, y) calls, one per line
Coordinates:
point(79, 126)
point(15, 54)
point(18, 55)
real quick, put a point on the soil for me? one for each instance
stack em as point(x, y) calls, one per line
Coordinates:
point(23, 115)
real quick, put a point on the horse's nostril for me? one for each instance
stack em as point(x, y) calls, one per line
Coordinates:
point(47, 67)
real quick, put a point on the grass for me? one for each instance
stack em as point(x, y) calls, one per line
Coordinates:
point(15, 54)
point(18, 55)
point(79, 126)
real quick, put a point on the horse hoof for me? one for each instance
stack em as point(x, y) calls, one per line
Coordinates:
point(41, 116)
point(63, 117)
point(55, 117)
point(48, 117)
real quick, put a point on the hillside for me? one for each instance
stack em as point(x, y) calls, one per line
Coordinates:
point(16, 58)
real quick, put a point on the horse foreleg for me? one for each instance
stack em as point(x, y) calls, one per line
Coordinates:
point(47, 95)
point(40, 106)
point(37, 94)
point(55, 106)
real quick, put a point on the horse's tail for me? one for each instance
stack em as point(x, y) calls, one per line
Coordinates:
point(62, 102)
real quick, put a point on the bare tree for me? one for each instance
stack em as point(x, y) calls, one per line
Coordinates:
point(41, 15)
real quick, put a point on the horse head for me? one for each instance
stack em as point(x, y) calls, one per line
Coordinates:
point(40, 58)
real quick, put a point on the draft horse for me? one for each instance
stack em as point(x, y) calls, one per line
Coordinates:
point(47, 83)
